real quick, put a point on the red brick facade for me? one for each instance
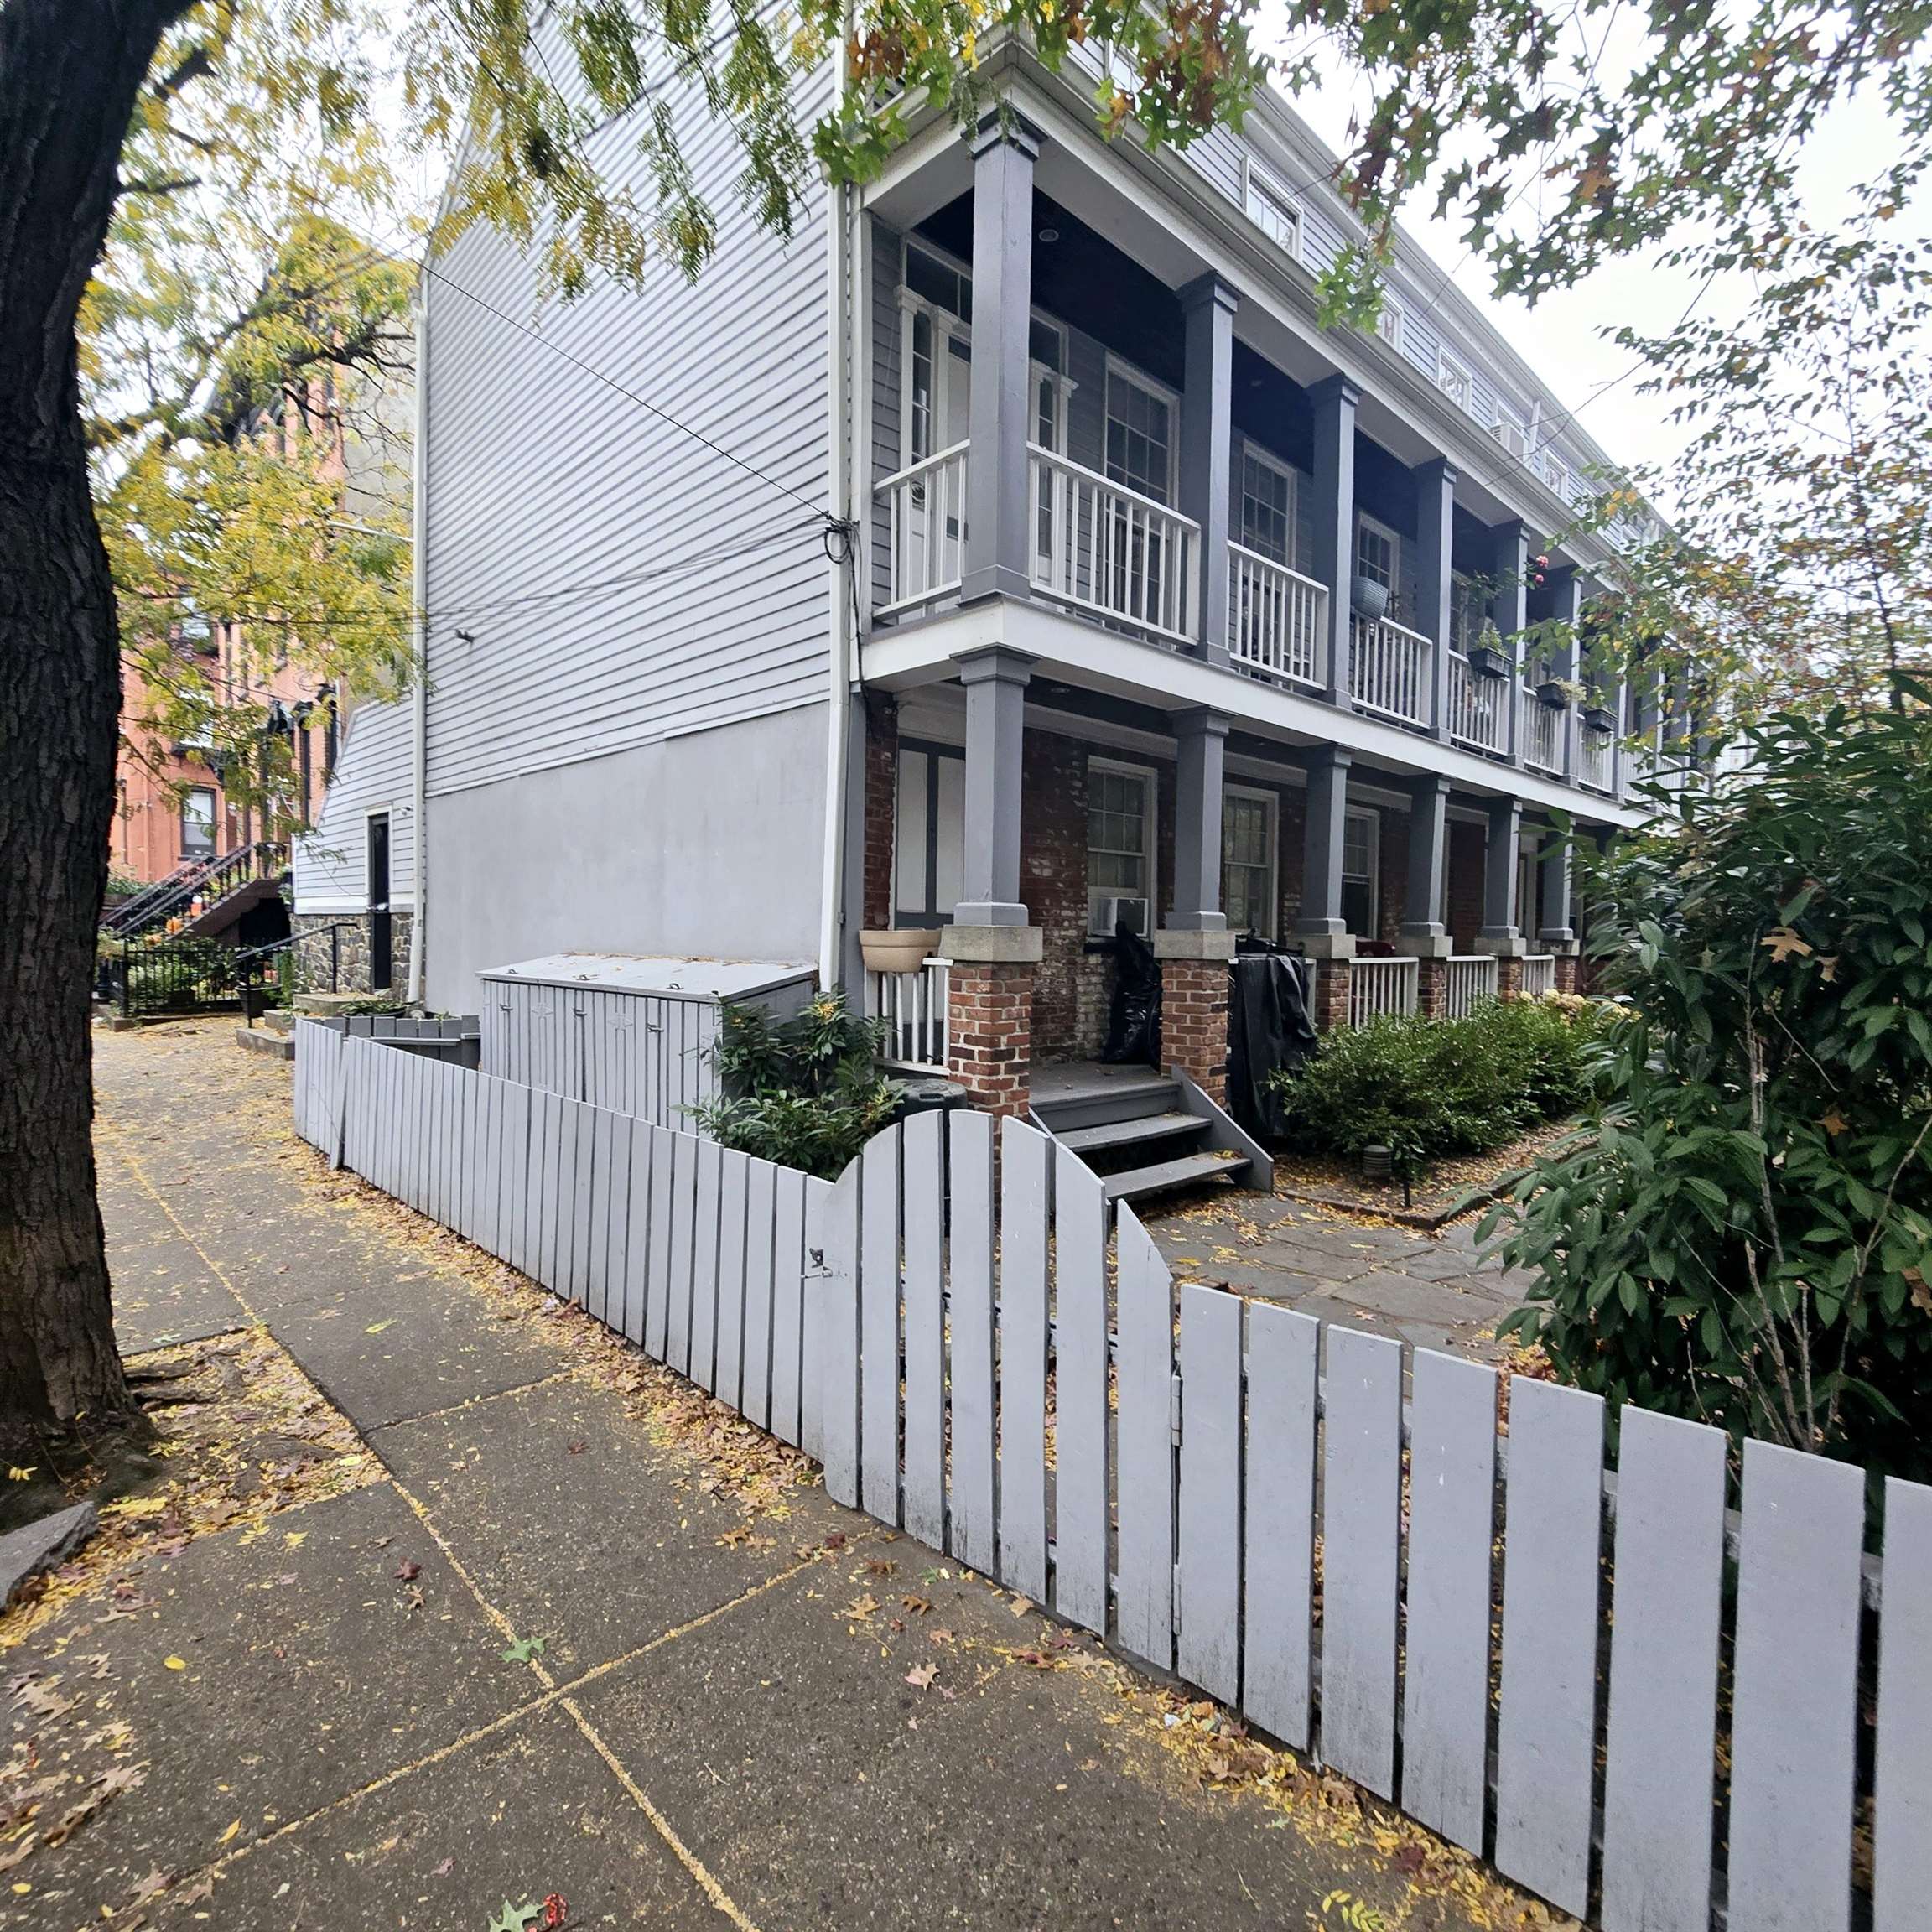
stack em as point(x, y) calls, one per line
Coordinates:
point(1332, 978)
point(1194, 1021)
point(1431, 987)
point(989, 1019)
point(1508, 977)
point(1467, 844)
point(1565, 972)
point(881, 804)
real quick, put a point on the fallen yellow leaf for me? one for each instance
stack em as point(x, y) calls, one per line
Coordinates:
point(175, 1663)
point(376, 1327)
point(230, 1831)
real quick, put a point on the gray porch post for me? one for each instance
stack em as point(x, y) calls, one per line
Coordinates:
point(1005, 148)
point(1333, 560)
point(995, 680)
point(1200, 744)
point(1321, 919)
point(1557, 933)
point(1423, 932)
point(1206, 438)
point(1509, 611)
point(1500, 934)
point(1435, 531)
point(1568, 586)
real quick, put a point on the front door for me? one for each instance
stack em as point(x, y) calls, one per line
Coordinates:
point(929, 826)
point(381, 961)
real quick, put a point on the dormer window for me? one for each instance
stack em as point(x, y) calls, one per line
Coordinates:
point(1453, 379)
point(1388, 321)
point(1269, 208)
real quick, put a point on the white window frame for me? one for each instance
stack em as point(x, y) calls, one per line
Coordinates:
point(1257, 185)
point(1453, 378)
point(1376, 526)
point(1252, 451)
point(1272, 804)
point(1119, 367)
point(1388, 322)
point(1150, 818)
point(1063, 387)
point(1367, 815)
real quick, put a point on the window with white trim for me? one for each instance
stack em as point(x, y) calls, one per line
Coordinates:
point(1361, 872)
point(1140, 435)
point(1248, 897)
point(1388, 320)
point(1453, 380)
point(197, 823)
point(1119, 848)
point(1270, 210)
point(1267, 508)
point(1377, 552)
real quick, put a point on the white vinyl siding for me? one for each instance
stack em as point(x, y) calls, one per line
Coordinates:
point(374, 772)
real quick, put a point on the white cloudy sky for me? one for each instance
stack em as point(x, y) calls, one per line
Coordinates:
point(1565, 337)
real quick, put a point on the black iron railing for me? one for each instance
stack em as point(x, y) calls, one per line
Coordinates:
point(193, 888)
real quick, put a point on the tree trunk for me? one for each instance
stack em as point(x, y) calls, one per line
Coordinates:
point(70, 72)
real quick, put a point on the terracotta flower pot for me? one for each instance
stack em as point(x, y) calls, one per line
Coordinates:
point(902, 949)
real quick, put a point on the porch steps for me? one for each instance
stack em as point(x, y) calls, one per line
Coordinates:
point(1188, 1171)
point(1142, 1131)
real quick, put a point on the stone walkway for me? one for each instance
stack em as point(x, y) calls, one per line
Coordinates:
point(1433, 1290)
point(546, 1624)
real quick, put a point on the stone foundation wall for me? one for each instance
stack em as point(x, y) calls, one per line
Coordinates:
point(312, 949)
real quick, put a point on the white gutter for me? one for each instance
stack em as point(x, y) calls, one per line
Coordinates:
point(838, 501)
point(419, 633)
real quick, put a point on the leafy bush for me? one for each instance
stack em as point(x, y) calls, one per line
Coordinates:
point(806, 1092)
point(1746, 1237)
point(1429, 1089)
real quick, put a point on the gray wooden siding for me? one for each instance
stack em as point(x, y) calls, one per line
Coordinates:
point(620, 583)
point(373, 773)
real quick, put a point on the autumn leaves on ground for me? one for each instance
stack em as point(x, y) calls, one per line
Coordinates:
point(434, 1605)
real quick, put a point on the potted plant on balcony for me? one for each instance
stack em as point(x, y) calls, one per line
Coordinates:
point(899, 949)
point(1599, 717)
point(1487, 658)
point(1557, 692)
point(1368, 599)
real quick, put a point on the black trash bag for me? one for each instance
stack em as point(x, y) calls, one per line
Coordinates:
point(1269, 1027)
point(1133, 1013)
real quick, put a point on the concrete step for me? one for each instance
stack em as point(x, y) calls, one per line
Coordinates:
point(278, 1020)
point(260, 1040)
point(1188, 1171)
point(1130, 1132)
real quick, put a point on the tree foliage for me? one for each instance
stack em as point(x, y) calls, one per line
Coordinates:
point(1745, 1236)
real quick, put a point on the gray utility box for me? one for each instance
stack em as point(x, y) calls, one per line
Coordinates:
point(633, 1035)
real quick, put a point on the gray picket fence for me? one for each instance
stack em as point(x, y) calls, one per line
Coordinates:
point(1656, 1712)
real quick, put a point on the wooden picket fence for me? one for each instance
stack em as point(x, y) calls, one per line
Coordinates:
point(1657, 1712)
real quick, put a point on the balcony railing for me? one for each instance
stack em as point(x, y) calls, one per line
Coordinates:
point(1478, 707)
point(1380, 987)
point(1107, 549)
point(1542, 730)
point(926, 509)
point(1539, 975)
point(1277, 619)
point(1468, 978)
point(1596, 755)
point(913, 1006)
point(1389, 669)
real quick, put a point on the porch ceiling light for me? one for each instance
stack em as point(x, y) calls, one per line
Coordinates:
point(1049, 234)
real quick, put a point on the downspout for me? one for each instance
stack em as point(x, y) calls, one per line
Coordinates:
point(419, 630)
point(841, 550)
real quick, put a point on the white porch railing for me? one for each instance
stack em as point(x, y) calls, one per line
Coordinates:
point(1389, 669)
point(926, 505)
point(1277, 619)
point(913, 1006)
point(1542, 730)
point(1538, 974)
point(1107, 549)
point(1594, 751)
point(1467, 980)
point(1376, 987)
point(1478, 707)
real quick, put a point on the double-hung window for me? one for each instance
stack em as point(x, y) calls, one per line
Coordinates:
point(1377, 552)
point(197, 823)
point(1140, 435)
point(1453, 380)
point(1248, 862)
point(1119, 848)
point(1361, 866)
point(1267, 508)
point(1272, 211)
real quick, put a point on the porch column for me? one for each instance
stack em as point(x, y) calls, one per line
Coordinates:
point(1568, 585)
point(1324, 938)
point(1333, 558)
point(1206, 442)
point(1509, 611)
point(1500, 934)
point(995, 680)
point(1435, 534)
point(1194, 944)
point(1005, 148)
point(1423, 932)
point(1557, 934)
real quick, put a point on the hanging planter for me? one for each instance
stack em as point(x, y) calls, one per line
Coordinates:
point(1489, 660)
point(1598, 718)
point(1368, 599)
point(1553, 692)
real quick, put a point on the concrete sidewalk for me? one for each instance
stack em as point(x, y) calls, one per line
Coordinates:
point(477, 1608)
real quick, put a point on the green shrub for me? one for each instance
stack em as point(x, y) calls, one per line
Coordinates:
point(1427, 1089)
point(807, 1094)
point(1746, 1236)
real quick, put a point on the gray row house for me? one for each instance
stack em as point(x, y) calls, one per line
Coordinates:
point(1008, 556)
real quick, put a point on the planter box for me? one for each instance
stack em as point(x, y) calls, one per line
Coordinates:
point(1598, 718)
point(1553, 694)
point(1487, 661)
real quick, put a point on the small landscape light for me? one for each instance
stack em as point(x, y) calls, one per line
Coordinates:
point(1377, 1164)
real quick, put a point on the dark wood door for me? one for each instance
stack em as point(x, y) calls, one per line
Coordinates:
point(382, 937)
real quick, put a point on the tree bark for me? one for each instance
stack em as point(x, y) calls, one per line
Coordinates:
point(70, 73)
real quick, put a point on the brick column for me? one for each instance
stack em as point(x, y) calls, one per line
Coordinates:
point(1331, 977)
point(1431, 986)
point(1509, 974)
point(990, 1014)
point(1194, 1006)
point(1567, 971)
